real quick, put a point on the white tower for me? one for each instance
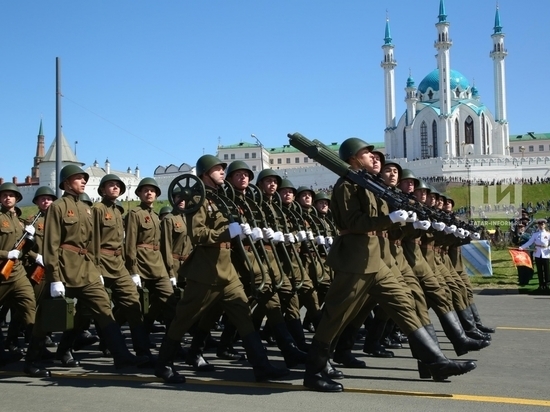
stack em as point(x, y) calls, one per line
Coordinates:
point(498, 54)
point(388, 64)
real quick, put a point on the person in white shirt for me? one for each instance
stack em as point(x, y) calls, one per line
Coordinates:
point(540, 239)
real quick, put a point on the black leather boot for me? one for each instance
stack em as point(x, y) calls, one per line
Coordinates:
point(372, 345)
point(316, 364)
point(194, 354)
point(225, 348)
point(344, 345)
point(7, 357)
point(64, 352)
point(140, 343)
point(84, 339)
point(164, 367)
point(257, 356)
point(477, 320)
point(468, 324)
point(425, 349)
point(34, 351)
point(285, 342)
point(295, 328)
point(462, 344)
point(121, 355)
point(331, 372)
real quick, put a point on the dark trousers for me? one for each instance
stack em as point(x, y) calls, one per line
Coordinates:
point(543, 266)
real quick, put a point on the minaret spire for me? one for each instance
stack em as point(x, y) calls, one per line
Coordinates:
point(35, 170)
point(388, 64)
point(442, 13)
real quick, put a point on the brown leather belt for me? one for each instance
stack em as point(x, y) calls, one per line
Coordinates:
point(76, 249)
point(221, 245)
point(414, 240)
point(111, 252)
point(382, 233)
point(148, 246)
point(427, 246)
point(181, 258)
point(396, 242)
point(351, 232)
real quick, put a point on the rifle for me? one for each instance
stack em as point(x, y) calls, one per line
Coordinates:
point(392, 195)
point(19, 245)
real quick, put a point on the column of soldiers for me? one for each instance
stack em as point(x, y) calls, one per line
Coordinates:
point(274, 250)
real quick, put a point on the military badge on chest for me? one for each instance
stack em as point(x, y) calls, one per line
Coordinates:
point(147, 219)
point(70, 213)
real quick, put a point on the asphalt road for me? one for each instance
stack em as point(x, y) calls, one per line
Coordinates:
point(511, 376)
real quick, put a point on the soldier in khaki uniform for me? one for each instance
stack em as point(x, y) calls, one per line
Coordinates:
point(144, 259)
point(109, 229)
point(212, 279)
point(16, 291)
point(359, 272)
point(70, 256)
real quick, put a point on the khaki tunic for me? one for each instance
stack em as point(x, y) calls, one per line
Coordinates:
point(175, 243)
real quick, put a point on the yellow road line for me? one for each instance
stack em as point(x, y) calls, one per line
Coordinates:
point(528, 329)
point(294, 387)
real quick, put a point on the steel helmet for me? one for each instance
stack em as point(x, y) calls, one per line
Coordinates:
point(408, 174)
point(71, 170)
point(83, 197)
point(165, 210)
point(266, 173)
point(351, 146)
point(12, 187)
point(148, 181)
point(207, 162)
point(321, 196)
point(286, 184)
point(422, 185)
point(239, 165)
point(108, 178)
point(44, 191)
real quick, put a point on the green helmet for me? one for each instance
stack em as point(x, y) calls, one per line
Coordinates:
point(108, 178)
point(434, 191)
point(408, 174)
point(12, 187)
point(68, 171)
point(351, 146)
point(44, 191)
point(165, 210)
point(119, 206)
point(207, 162)
point(321, 196)
point(83, 197)
point(266, 173)
point(239, 165)
point(451, 200)
point(148, 181)
point(396, 165)
point(286, 184)
point(422, 185)
point(305, 189)
point(381, 155)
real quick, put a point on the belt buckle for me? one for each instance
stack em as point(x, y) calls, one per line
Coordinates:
point(81, 251)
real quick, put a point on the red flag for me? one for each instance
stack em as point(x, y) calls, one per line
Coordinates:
point(521, 258)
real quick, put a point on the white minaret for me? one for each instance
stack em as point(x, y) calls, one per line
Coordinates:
point(443, 45)
point(498, 54)
point(388, 64)
point(410, 99)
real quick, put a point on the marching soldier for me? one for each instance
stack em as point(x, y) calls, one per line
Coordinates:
point(212, 279)
point(70, 256)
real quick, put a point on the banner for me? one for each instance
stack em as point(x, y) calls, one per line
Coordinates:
point(476, 258)
point(521, 258)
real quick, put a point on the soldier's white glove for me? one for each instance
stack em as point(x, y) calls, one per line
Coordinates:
point(235, 230)
point(320, 240)
point(102, 280)
point(14, 254)
point(411, 218)
point(278, 237)
point(329, 240)
point(439, 226)
point(310, 236)
point(301, 235)
point(459, 233)
point(40, 260)
point(268, 233)
point(399, 216)
point(466, 233)
point(137, 280)
point(57, 289)
point(289, 238)
point(475, 236)
point(450, 229)
point(422, 224)
point(245, 227)
point(173, 281)
point(30, 230)
point(257, 234)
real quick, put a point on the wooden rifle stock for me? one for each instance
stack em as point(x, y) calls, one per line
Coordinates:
point(37, 274)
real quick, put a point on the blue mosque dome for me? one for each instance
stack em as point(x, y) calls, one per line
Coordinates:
point(432, 80)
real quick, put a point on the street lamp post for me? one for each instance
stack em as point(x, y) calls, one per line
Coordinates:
point(522, 150)
point(261, 151)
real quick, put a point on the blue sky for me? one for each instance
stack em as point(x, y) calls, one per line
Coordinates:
point(150, 83)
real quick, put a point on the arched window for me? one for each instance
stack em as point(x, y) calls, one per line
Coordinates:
point(423, 141)
point(484, 135)
point(404, 144)
point(457, 138)
point(434, 140)
point(469, 130)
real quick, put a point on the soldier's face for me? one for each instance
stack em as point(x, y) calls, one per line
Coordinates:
point(287, 196)
point(215, 176)
point(421, 195)
point(43, 202)
point(322, 206)
point(432, 200)
point(363, 159)
point(406, 185)
point(239, 179)
point(305, 199)
point(111, 189)
point(76, 184)
point(8, 199)
point(147, 194)
point(390, 175)
point(439, 203)
point(448, 206)
point(268, 185)
point(376, 163)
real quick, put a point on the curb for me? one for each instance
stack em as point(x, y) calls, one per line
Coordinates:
point(496, 292)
